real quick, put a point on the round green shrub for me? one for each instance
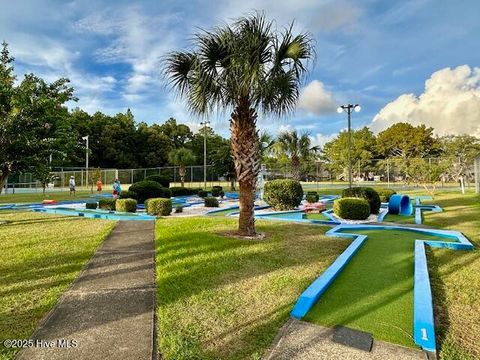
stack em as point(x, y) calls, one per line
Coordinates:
point(183, 191)
point(107, 203)
point(312, 195)
point(283, 194)
point(149, 189)
point(159, 206)
point(91, 205)
point(126, 205)
point(162, 180)
point(385, 194)
point(128, 195)
point(351, 208)
point(216, 191)
point(211, 201)
point(202, 193)
point(178, 208)
point(366, 193)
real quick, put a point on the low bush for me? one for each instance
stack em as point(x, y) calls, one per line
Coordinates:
point(91, 205)
point(149, 189)
point(283, 194)
point(183, 191)
point(312, 196)
point(159, 206)
point(211, 201)
point(107, 204)
point(366, 193)
point(353, 208)
point(202, 193)
point(162, 180)
point(216, 190)
point(128, 195)
point(385, 194)
point(126, 205)
point(178, 208)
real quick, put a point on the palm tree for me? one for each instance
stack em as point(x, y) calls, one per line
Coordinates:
point(244, 67)
point(181, 157)
point(296, 148)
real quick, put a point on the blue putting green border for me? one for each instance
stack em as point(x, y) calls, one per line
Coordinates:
point(423, 327)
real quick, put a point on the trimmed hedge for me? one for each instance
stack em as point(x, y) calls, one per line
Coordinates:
point(149, 189)
point(385, 194)
point(126, 205)
point(312, 196)
point(283, 194)
point(211, 201)
point(217, 191)
point(178, 208)
point(352, 208)
point(183, 191)
point(128, 195)
point(366, 193)
point(162, 180)
point(202, 193)
point(159, 206)
point(91, 205)
point(107, 203)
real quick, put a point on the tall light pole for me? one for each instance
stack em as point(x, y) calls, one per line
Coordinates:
point(86, 156)
point(205, 124)
point(348, 109)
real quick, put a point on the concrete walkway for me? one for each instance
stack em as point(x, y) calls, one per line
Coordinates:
point(110, 309)
point(299, 340)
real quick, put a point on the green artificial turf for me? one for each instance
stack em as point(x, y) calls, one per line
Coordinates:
point(400, 219)
point(220, 297)
point(41, 256)
point(223, 212)
point(374, 292)
point(320, 216)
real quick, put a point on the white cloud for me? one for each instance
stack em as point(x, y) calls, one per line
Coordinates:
point(450, 104)
point(321, 140)
point(315, 99)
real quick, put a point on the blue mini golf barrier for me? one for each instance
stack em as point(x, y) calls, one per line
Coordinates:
point(400, 205)
point(423, 327)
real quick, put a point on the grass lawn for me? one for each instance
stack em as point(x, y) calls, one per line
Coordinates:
point(39, 197)
point(374, 292)
point(224, 298)
point(41, 256)
point(455, 278)
point(400, 219)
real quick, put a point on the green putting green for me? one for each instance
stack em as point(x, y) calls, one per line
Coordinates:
point(320, 216)
point(374, 292)
point(400, 219)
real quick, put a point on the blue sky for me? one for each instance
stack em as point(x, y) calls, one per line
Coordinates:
point(373, 52)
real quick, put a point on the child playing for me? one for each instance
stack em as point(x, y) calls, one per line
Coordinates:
point(71, 185)
point(99, 185)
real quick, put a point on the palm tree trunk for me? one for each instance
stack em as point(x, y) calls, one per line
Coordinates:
point(296, 168)
point(245, 152)
point(182, 172)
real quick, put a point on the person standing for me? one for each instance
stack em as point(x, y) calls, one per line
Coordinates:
point(117, 188)
point(99, 185)
point(71, 185)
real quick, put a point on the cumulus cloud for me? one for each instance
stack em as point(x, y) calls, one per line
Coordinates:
point(321, 139)
point(315, 99)
point(450, 104)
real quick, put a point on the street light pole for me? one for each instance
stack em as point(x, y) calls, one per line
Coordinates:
point(348, 109)
point(205, 123)
point(86, 156)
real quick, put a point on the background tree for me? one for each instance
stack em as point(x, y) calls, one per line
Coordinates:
point(246, 66)
point(181, 157)
point(297, 149)
point(179, 134)
point(461, 150)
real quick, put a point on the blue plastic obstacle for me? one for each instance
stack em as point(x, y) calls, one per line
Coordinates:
point(400, 205)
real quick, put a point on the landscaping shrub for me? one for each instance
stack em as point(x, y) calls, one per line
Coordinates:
point(149, 189)
point(367, 193)
point(211, 201)
point(222, 194)
point(107, 203)
point(91, 205)
point(126, 205)
point(385, 194)
point(183, 191)
point(128, 195)
point(312, 196)
point(178, 208)
point(202, 193)
point(283, 194)
point(216, 190)
point(162, 180)
point(159, 206)
point(352, 208)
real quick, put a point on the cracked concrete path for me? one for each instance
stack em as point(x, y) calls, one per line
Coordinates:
point(109, 311)
point(299, 340)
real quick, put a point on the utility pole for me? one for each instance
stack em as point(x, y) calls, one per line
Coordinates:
point(205, 124)
point(348, 109)
point(86, 156)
